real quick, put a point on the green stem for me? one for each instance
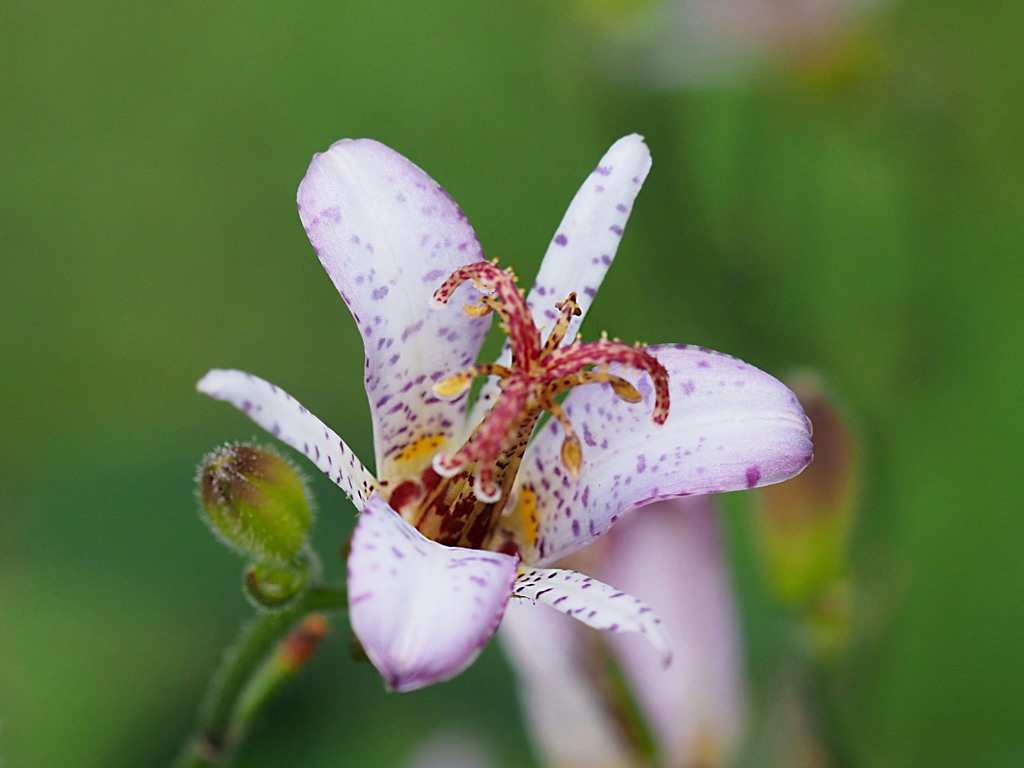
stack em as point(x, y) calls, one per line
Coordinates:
point(221, 725)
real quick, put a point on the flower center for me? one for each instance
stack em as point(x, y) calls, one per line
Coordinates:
point(458, 499)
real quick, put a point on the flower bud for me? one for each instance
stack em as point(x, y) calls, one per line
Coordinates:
point(273, 585)
point(256, 502)
point(805, 522)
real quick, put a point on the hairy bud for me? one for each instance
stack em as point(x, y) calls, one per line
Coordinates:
point(256, 503)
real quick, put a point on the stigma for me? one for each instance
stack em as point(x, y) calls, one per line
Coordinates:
point(459, 497)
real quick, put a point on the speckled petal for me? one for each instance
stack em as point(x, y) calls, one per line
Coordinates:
point(563, 701)
point(287, 420)
point(585, 242)
point(594, 603)
point(422, 611)
point(671, 557)
point(388, 235)
point(730, 427)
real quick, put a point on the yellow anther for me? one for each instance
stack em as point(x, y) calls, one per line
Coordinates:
point(476, 310)
point(572, 455)
point(625, 390)
point(453, 386)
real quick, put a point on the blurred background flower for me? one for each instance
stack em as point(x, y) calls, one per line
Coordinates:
point(601, 701)
point(664, 44)
point(864, 223)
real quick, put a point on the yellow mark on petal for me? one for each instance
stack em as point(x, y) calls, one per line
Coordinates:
point(418, 448)
point(526, 510)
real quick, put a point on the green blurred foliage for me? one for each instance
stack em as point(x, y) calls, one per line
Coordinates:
point(863, 221)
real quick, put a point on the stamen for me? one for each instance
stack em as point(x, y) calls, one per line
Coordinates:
point(623, 388)
point(476, 310)
point(458, 383)
point(572, 452)
point(569, 360)
point(461, 496)
point(568, 309)
point(485, 444)
point(504, 298)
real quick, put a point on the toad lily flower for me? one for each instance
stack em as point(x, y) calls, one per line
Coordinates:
point(468, 506)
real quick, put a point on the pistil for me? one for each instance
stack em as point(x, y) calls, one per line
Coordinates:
point(459, 498)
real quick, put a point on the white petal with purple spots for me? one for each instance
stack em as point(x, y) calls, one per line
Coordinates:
point(585, 242)
point(422, 611)
point(388, 236)
point(730, 427)
point(594, 603)
point(286, 419)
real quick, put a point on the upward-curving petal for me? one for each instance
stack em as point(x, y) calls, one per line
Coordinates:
point(585, 242)
point(288, 420)
point(422, 611)
point(388, 236)
point(730, 427)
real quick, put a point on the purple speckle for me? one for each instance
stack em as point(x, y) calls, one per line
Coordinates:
point(380, 293)
point(753, 476)
point(604, 170)
point(689, 387)
point(615, 229)
point(561, 240)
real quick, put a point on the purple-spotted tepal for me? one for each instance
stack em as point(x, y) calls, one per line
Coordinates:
point(468, 506)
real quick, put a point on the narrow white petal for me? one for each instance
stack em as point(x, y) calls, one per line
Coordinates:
point(594, 603)
point(287, 420)
point(586, 241)
point(388, 236)
point(422, 611)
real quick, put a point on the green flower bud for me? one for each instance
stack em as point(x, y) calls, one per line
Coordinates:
point(272, 585)
point(256, 502)
point(805, 522)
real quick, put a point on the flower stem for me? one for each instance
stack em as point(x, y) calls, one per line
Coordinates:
point(246, 680)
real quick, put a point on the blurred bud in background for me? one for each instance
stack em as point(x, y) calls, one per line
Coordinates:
point(450, 750)
point(804, 526)
point(257, 503)
point(699, 43)
point(604, 701)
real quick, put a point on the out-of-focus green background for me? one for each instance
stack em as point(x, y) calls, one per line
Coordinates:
point(859, 213)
